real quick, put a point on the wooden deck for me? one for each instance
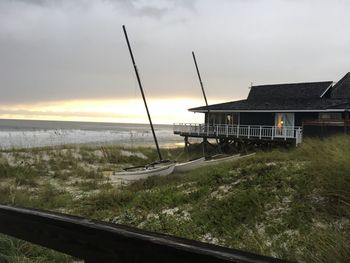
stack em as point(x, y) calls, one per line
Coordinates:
point(250, 132)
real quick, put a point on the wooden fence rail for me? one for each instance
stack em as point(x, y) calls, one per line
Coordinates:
point(96, 241)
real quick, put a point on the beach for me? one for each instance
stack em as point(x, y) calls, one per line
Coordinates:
point(268, 204)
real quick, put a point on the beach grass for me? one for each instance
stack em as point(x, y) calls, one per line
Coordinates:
point(292, 204)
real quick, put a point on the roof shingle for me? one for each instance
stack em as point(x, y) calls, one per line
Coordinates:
point(289, 91)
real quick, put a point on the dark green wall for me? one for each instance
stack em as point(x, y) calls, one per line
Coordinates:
point(267, 118)
point(305, 116)
point(257, 118)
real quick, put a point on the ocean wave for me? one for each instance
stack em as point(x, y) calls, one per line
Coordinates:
point(54, 137)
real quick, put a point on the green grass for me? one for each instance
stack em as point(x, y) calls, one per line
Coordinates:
point(292, 204)
point(18, 251)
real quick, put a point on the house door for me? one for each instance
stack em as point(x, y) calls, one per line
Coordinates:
point(284, 123)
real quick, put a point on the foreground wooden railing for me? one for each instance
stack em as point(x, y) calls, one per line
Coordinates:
point(96, 241)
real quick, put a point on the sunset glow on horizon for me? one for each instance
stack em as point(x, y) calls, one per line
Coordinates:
point(162, 110)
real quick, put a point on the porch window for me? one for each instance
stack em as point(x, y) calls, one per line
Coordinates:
point(284, 120)
point(279, 121)
point(228, 119)
point(232, 118)
point(212, 119)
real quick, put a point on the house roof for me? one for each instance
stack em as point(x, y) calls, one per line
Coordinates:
point(278, 105)
point(291, 97)
point(342, 88)
point(289, 91)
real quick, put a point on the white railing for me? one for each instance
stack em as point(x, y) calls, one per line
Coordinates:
point(239, 131)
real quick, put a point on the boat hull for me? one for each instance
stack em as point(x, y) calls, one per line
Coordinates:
point(188, 166)
point(226, 159)
point(143, 173)
point(221, 160)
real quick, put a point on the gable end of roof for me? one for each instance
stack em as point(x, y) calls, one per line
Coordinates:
point(342, 88)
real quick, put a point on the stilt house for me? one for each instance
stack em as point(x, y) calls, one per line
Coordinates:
point(278, 112)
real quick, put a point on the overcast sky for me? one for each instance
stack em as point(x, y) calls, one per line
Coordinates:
point(58, 50)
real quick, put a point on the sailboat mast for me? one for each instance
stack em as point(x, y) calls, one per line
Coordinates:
point(142, 93)
point(201, 83)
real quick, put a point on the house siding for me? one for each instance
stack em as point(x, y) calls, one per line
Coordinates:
point(301, 117)
point(262, 118)
point(257, 118)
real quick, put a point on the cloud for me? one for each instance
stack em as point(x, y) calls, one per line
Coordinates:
point(62, 50)
point(151, 8)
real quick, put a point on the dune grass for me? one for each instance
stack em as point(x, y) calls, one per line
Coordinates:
point(14, 250)
point(292, 204)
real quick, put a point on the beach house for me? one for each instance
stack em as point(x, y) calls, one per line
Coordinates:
point(281, 113)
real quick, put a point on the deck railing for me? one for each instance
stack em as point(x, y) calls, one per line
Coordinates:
point(239, 131)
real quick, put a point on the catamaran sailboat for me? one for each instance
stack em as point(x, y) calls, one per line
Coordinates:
point(160, 167)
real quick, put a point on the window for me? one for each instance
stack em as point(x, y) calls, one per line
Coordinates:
point(330, 115)
point(232, 118)
point(279, 120)
point(284, 120)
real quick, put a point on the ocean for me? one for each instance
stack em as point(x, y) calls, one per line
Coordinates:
point(32, 133)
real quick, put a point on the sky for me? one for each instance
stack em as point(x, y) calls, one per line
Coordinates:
point(68, 60)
